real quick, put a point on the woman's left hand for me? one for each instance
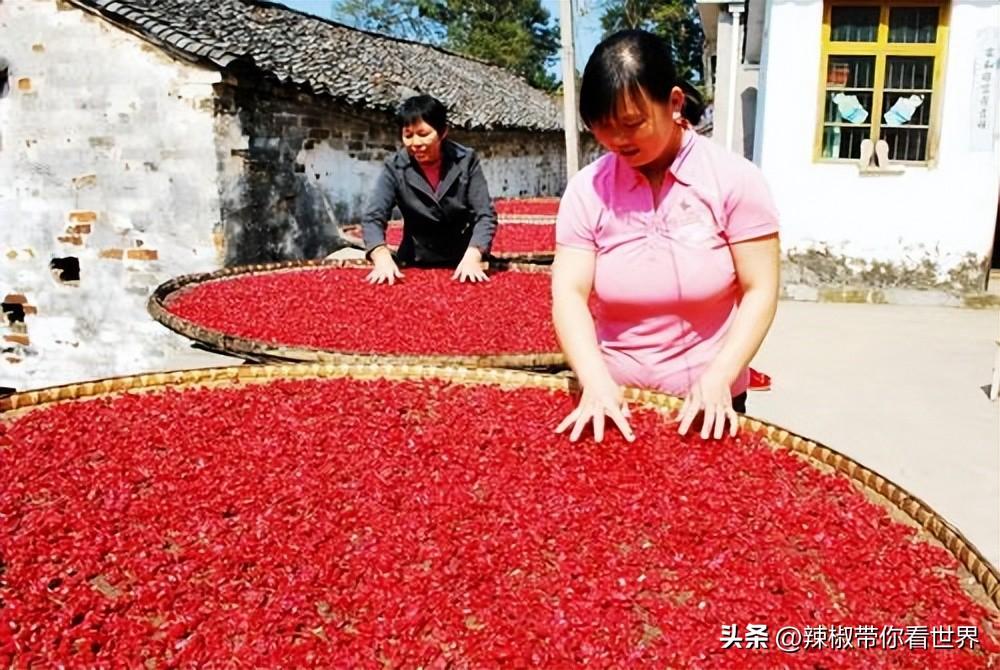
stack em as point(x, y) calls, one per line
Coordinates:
point(711, 394)
point(471, 267)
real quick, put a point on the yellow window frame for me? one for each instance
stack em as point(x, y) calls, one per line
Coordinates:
point(881, 48)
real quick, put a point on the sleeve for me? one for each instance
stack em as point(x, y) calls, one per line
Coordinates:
point(576, 224)
point(378, 210)
point(483, 215)
point(749, 208)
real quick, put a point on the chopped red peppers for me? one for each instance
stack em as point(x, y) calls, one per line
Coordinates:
point(333, 308)
point(341, 523)
point(527, 207)
point(511, 238)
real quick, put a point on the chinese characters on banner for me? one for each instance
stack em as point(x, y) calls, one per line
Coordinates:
point(984, 89)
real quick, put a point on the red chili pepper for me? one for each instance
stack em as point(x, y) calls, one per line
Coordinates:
point(427, 313)
point(511, 238)
point(343, 523)
point(531, 207)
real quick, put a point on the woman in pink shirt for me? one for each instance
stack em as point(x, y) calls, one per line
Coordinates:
point(676, 237)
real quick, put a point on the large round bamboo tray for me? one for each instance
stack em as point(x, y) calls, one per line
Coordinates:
point(982, 581)
point(264, 352)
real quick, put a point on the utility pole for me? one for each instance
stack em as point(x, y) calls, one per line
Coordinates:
point(569, 88)
point(735, 9)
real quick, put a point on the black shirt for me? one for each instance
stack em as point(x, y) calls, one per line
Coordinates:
point(438, 226)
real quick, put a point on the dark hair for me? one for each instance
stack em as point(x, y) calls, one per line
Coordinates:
point(629, 61)
point(423, 108)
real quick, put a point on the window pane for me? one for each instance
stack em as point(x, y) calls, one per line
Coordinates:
point(844, 141)
point(906, 109)
point(849, 107)
point(906, 144)
point(906, 106)
point(850, 72)
point(909, 73)
point(854, 24)
point(911, 25)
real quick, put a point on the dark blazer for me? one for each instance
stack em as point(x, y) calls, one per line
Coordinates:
point(438, 226)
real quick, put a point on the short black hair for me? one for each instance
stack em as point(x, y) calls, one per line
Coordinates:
point(423, 108)
point(625, 63)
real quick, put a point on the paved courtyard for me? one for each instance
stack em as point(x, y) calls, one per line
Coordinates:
point(899, 389)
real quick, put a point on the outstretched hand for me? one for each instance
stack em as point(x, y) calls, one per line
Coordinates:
point(600, 400)
point(710, 395)
point(386, 271)
point(470, 268)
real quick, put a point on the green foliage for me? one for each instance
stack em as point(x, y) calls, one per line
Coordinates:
point(518, 35)
point(677, 21)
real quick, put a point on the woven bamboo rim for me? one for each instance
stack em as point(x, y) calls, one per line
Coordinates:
point(531, 219)
point(537, 257)
point(907, 507)
point(265, 352)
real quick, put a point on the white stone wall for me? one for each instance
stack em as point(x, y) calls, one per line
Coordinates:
point(107, 155)
point(526, 165)
point(339, 152)
point(515, 164)
point(127, 160)
point(941, 214)
point(526, 176)
point(520, 165)
point(744, 108)
point(344, 180)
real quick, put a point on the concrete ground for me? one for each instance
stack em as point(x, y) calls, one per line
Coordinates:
point(899, 389)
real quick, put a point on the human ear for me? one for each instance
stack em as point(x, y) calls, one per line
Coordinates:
point(677, 99)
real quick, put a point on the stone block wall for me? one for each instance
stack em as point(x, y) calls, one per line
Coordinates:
point(107, 188)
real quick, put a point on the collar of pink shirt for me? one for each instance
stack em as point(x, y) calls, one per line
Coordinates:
point(629, 179)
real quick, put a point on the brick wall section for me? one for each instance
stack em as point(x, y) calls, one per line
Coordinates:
point(105, 157)
point(275, 205)
point(519, 164)
point(307, 156)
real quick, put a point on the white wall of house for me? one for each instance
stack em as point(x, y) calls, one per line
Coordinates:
point(523, 164)
point(345, 180)
point(724, 38)
point(541, 174)
point(107, 155)
point(515, 164)
point(939, 213)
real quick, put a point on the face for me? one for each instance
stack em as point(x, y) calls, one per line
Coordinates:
point(423, 142)
point(642, 130)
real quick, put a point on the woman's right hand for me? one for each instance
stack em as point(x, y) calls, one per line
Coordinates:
point(603, 398)
point(385, 270)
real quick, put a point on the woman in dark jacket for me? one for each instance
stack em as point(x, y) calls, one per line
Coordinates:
point(438, 185)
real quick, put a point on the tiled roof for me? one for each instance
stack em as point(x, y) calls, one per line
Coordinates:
point(328, 58)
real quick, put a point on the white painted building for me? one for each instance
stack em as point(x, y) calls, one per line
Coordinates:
point(145, 139)
point(732, 64)
point(922, 75)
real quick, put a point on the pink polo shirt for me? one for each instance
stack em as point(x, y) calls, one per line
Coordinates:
point(665, 285)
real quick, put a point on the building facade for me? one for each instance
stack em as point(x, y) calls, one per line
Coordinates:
point(146, 139)
point(876, 126)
